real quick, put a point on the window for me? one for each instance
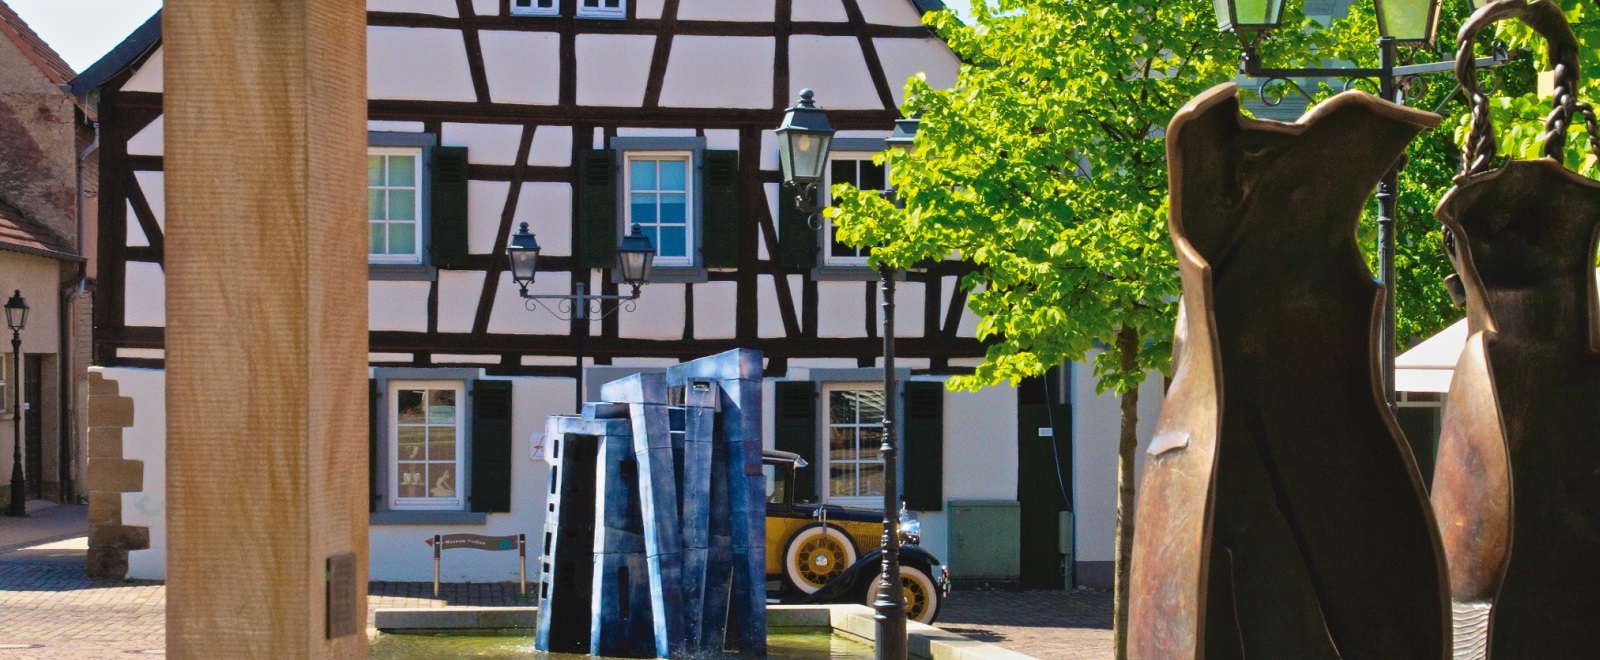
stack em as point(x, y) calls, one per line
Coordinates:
point(394, 201)
point(602, 8)
point(854, 436)
point(426, 438)
point(659, 190)
point(857, 170)
point(535, 7)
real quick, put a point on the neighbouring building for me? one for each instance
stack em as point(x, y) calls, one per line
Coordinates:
point(46, 139)
point(582, 118)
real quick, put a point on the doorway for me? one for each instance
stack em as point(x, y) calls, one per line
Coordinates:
point(1044, 477)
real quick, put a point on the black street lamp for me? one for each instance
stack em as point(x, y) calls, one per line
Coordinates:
point(16, 318)
point(635, 257)
point(1410, 22)
point(803, 144)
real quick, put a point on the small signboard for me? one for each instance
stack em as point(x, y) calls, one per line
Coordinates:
point(442, 542)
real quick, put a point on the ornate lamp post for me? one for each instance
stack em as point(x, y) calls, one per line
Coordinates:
point(635, 257)
point(16, 318)
point(1408, 22)
point(803, 143)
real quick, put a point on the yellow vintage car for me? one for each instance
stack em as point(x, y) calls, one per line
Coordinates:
point(830, 554)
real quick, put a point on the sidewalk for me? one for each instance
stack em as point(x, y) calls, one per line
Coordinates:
point(46, 522)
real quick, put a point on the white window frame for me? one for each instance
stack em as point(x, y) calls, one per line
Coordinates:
point(533, 9)
point(415, 258)
point(392, 410)
point(824, 453)
point(585, 11)
point(691, 208)
point(827, 195)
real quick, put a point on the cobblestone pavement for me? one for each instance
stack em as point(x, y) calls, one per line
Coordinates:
point(1059, 625)
point(48, 603)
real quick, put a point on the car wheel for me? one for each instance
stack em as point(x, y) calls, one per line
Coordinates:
point(816, 555)
point(922, 598)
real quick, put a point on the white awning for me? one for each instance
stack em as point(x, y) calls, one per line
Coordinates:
point(1429, 366)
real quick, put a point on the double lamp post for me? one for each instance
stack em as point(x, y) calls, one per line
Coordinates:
point(1400, 22)
point(804, 140)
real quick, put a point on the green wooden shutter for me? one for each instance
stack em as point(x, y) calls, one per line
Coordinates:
point(797, 241)
point(448, 221)
point(924, 445)
point(795, 430)
point(720, 215)
point(491, 446)
point(373, 405)
point(597, 208)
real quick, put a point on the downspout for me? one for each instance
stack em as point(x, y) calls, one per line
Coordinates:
point(68, 319)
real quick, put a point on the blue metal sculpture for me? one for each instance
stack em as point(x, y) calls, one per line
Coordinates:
point(673, 516)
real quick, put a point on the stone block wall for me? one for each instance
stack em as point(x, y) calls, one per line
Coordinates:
point(109, 476)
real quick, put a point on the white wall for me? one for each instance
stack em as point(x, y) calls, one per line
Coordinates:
point(1096, 426)
point(146, 441)
point(980, 457)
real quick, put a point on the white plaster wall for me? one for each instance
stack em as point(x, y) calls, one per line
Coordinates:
point(890, 12)
point(769, 148)
point(149, 78)
point(552, 147)
point(659, 315)
point(753, 11)
point(145, 294)
point(835, 69)
point(771, 190)
point(395, 126)
point(769, 321)
point(719, 72)
point(546, 207)
point(154, 187)
point(459, 291)
point(649, 131)
point(521, 67)
point(398, 306)
point(487, 144)
point(613, 69)
point(842, 309)
point(716, 310)
point(510, 312)
point(146, 441)
point(648, 9)
point(908, 308)
point(135, 231)
point(433, 7)
point(722, 138)
point(1096, 425)
point(904, 58)
point(486, 7)
point(980, 456)
point(150, 140)
point(831, 11)
point(419, 64)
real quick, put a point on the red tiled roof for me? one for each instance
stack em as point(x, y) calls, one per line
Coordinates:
point(20, 234)
point(42, 55)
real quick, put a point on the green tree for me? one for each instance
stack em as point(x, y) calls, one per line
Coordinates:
point(1045, 169)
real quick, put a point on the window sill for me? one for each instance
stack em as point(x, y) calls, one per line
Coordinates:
point(402, 272)
point(428, 518)
point(843, 273)
point(670, 275)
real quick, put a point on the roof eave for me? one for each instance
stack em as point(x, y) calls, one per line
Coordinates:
point(120, 58)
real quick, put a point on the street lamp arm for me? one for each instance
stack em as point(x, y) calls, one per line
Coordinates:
point(1250, 67)
point(581, 306)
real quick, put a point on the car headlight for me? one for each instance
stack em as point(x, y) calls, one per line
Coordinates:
point(910, 528)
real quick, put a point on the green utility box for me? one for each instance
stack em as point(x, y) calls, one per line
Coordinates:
point(986, 539)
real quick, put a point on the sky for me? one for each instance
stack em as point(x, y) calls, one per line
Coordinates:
point(84, 30)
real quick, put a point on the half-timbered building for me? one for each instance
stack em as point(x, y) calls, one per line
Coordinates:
point(582, 118)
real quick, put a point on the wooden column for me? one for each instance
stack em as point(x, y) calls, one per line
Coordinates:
point(267, 328)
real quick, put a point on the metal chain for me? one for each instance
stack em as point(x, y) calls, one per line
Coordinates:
point(1547, 20)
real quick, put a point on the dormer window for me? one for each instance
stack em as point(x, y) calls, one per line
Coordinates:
point(602, 8)
point(535, 7)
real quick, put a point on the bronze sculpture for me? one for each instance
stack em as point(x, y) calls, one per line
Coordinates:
point(1281, 514)
point(1517, 486)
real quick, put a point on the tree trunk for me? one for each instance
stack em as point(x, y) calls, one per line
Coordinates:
point(1128, 354)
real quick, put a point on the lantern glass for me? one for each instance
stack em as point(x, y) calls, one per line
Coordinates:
point(1408, 21)
point(1248, 15)
point(16, 311)
point(635, 257)
point(523, 254)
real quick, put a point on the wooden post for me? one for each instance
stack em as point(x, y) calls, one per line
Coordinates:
point(266, 338)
